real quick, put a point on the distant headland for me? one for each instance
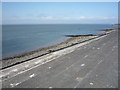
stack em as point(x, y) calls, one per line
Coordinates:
point(116, 24)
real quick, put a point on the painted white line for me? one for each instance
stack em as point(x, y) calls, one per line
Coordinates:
point(32, 75)
point(91, 83)
point(4, 75)
point(111, 86)
point(26, 66)
point(100, 62)
point(1, 76)
point(66, 69)
point(14, 84)
point(49, 67)
point(42, 63)
point(50, 87)
point(17, 84)
point(37, 62)
point(82, 65)
point(85, 56)
point(15, 70)
point(98, 48)
point(79, 79)
point(87, 75)
point(96, 75)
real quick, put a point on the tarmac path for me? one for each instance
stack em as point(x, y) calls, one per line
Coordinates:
point(94, 65)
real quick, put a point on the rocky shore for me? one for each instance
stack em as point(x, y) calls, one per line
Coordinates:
point(75, 39)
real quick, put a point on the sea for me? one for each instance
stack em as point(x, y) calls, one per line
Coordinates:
point(18, 39)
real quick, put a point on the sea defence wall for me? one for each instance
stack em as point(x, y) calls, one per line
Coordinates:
point(11, 61)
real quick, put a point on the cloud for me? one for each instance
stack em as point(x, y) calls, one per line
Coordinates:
point(62, 18)
point(46, 18)
point(107, 18)
point(55, 19)
point(74, 18)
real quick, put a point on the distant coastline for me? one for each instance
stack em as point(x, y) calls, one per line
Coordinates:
point(116, 24)
point(75, 39)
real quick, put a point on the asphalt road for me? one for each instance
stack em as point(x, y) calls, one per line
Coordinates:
point(94, 65)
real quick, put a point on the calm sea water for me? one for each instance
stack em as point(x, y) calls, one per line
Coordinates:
point(18, 39)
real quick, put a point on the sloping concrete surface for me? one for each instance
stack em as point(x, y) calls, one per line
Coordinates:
point(94, 65)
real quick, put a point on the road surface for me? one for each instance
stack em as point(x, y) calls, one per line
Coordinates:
point(94, 65)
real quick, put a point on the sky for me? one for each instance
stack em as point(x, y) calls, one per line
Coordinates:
point(59, 12)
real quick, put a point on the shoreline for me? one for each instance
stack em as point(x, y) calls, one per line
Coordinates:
point(75, 39)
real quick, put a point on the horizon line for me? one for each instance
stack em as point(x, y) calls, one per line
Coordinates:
point(59, 1)
point(58, 23)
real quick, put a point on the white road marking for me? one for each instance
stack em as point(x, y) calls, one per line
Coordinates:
point(32, 75)
point(49, 67)
point(82, 65)
point(26, 66)
point(15, 70)
point(114, 48)
point(4, 75)
point(37, 62)
point(14, 84)
point(66, 69)
point(43, 63)
point(50, 87)
point(1, 76)
point(91, 83)
point(79, 79)
point(111, 86)
point(86, 75)
point(98, 48)
point(85, 56)
point(17, 84)
point(100, 62)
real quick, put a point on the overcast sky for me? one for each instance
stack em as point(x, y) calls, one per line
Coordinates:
point(59, 12)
